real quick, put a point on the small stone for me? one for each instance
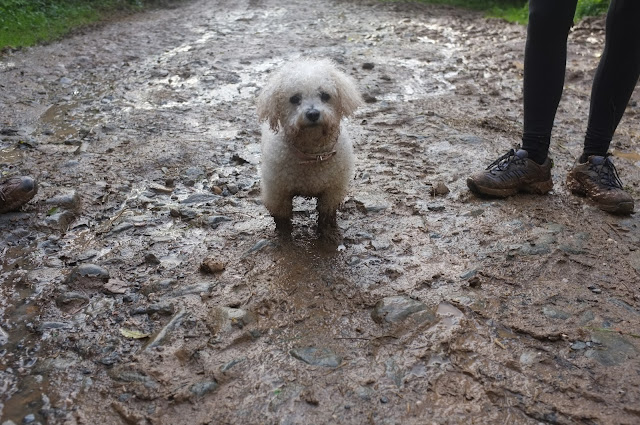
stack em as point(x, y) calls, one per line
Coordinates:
point(161, 189)
point(69, 200)
point(368, 66)
point(151, 259)
point(88, 276)
point(317, 356)
point(212, 266)
point(595, 289)
point(439, 189)
point(215, 220)
point(578, 345)
point(369, 98)
point(396, 309)
point(475, 282)
point(201, 388)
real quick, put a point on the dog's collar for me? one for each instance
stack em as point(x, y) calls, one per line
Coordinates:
point(310, 158)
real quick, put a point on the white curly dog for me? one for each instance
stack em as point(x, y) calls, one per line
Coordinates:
point(305, 148)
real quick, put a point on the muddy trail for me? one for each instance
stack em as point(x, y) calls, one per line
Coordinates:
point(438, 306)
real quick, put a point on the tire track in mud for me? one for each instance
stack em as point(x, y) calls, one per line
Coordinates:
point(516, 311)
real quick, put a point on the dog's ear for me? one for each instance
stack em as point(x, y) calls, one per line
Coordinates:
point(269, 107)
point(348, 96)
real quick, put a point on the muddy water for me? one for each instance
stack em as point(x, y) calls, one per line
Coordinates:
point(434, 308)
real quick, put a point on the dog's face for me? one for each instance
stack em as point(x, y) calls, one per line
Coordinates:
point(308, 96)
point(309, 109)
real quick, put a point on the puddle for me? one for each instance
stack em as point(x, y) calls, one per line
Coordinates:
point(10, 155)
point(632, 156)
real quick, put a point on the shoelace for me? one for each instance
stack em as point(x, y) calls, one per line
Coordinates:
point(503, 162)
point(607, 173)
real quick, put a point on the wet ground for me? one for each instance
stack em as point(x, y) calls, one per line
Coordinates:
point(438, 307)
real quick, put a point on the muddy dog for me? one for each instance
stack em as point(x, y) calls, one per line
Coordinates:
point(305, 148)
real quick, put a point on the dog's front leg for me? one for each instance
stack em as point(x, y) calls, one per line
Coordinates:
point(280, 206)
point(327, 219)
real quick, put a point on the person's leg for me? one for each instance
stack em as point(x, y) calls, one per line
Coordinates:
point(595, 176)
point(616, 76)
point(544, 70)
point(529, 169)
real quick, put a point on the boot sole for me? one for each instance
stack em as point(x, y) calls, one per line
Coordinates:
point(538, 188)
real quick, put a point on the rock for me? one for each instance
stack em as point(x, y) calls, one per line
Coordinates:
point(160, 189)
point(396, 309)
point(227, 366)
point(116, 286)
point(578, 345)
point(164, 309)
point(611, 348)
point(59, 220)
point(368, 98)
point(211, 265)
point(216, 220)
point(439, 189)
point(317, 356)
point(29, 419)
point(70, 200)
point(72, 299)
point(202, 388)
point(227, 318)
point(126, 375)
point(261, 244)
point(4, 337)
point(88, 276)
point(198, 288)
point(555, 313)
point(160, 337)
point(200, 198)
point(368, 66)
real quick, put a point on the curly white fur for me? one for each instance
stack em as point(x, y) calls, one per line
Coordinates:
point(303, 105)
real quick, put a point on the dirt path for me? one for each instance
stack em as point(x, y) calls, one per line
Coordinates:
point(436, 309)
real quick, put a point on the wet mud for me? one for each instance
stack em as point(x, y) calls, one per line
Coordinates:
point(145, 284)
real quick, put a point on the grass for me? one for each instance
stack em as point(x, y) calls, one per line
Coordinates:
point(28, 22)
point(518, 10)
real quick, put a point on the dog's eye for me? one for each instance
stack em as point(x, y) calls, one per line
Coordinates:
point(295, 99)
point(324, 96)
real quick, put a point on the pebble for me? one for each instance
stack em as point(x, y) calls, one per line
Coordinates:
point(578, 345)
point(164, 309)
point(204, 387)
point(88, 276)
point(200, 198)
point(317, 356)
point(396, 309)
point(211, 266)
point(69, 200)
point(439, 189)
point(216, 220)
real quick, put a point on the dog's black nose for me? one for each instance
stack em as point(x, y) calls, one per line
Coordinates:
point(313, 115)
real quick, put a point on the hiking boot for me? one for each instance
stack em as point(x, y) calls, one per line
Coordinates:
point(513, 172)
point(15, 192)
point(598, 180)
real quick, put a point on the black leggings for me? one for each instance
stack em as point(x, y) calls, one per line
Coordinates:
point(544, 69)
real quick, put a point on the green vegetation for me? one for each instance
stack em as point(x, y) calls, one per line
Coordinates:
point(27, 22)
point(518, 10)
